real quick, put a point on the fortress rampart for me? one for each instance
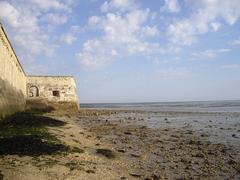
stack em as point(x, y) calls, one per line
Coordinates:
point(56, 91)
point(18, 91)
point(12, 79)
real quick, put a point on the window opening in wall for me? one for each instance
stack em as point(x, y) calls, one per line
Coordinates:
point(56, 93)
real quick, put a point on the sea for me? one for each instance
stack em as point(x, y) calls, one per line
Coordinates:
point(190, 106)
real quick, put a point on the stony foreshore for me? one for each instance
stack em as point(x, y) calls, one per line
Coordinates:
point(104, 144)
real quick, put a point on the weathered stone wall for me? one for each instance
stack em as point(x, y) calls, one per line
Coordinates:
point(12, 79)
point(18, 90)
point(56, 91)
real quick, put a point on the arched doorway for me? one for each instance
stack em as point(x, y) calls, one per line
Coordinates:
point(33, 91)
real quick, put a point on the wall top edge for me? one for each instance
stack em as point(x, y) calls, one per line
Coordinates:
point(51, 76)
point(1, 26)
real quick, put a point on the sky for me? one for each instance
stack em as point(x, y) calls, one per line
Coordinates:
point(131, 50)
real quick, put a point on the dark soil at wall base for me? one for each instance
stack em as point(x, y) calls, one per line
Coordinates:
point(11, 99)
point(1, 176)
point(42, 105)
point(25, 134)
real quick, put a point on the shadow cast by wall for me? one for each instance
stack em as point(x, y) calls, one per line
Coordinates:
point(30, 145)
point(26, 134)
point(26, 119)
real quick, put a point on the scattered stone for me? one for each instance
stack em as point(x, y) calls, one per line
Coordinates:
point(234, 136)
point(77, 150)
point(123, 177)
point(135, 155)
point(199, 155)
point(136, 174)
point(121, 150)
point(107, 153)
point(90, 171)
point(128, 133)
point(204, 135)
point(231, 162)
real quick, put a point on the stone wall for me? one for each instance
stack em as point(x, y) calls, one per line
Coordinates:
point(18, 90)
point(58, 92)
point(12, 79)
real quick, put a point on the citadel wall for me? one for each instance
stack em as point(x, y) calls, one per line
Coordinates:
point(12, 79)
point(53, 91)
point(19, 91)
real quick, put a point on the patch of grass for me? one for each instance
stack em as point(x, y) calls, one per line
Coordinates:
point(107, 153)
point(30, 145)
point(77, 150)
point(72, 165)
point(45, 109)
point(1, 176)
point(26, 134)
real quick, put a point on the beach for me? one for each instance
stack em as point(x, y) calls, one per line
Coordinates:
point(122, 143)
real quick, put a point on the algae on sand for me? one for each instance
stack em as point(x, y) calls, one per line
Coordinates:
point(1, 176)
point(26, 134)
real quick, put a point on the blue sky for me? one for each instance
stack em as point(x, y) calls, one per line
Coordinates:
point(131, 50)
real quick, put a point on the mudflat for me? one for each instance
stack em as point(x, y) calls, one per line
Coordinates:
point(108, 144)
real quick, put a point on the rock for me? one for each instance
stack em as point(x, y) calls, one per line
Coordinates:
point(106, 152)
point(121, 150)
point(234, 136)
point(231, 162)
point(199, 155)
point(123, 177)
point(128, 133)
point(90, 171)
point(135, 155)
point(135, 174)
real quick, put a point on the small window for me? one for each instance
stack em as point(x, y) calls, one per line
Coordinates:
point(56, 93)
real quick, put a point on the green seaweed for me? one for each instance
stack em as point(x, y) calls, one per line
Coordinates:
point(27, 134)
point(1, 176)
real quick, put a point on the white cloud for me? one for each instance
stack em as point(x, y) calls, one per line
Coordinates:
point(236, 42)
point(215, 26)
point(172, 73)
point(121, 5)
point(71, 36)
point(204, 19)
point(55, 19)
point(210, 54)
point(46, 5)
point(171, 6)
point(150, 31)
point(27, 20)
point(230, 66)
point(124, 34)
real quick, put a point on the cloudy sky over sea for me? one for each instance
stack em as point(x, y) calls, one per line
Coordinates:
point(131, 50)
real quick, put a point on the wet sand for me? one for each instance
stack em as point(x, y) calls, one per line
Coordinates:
point(136, 145)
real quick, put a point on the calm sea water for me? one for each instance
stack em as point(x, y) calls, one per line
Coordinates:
point(194, 106)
